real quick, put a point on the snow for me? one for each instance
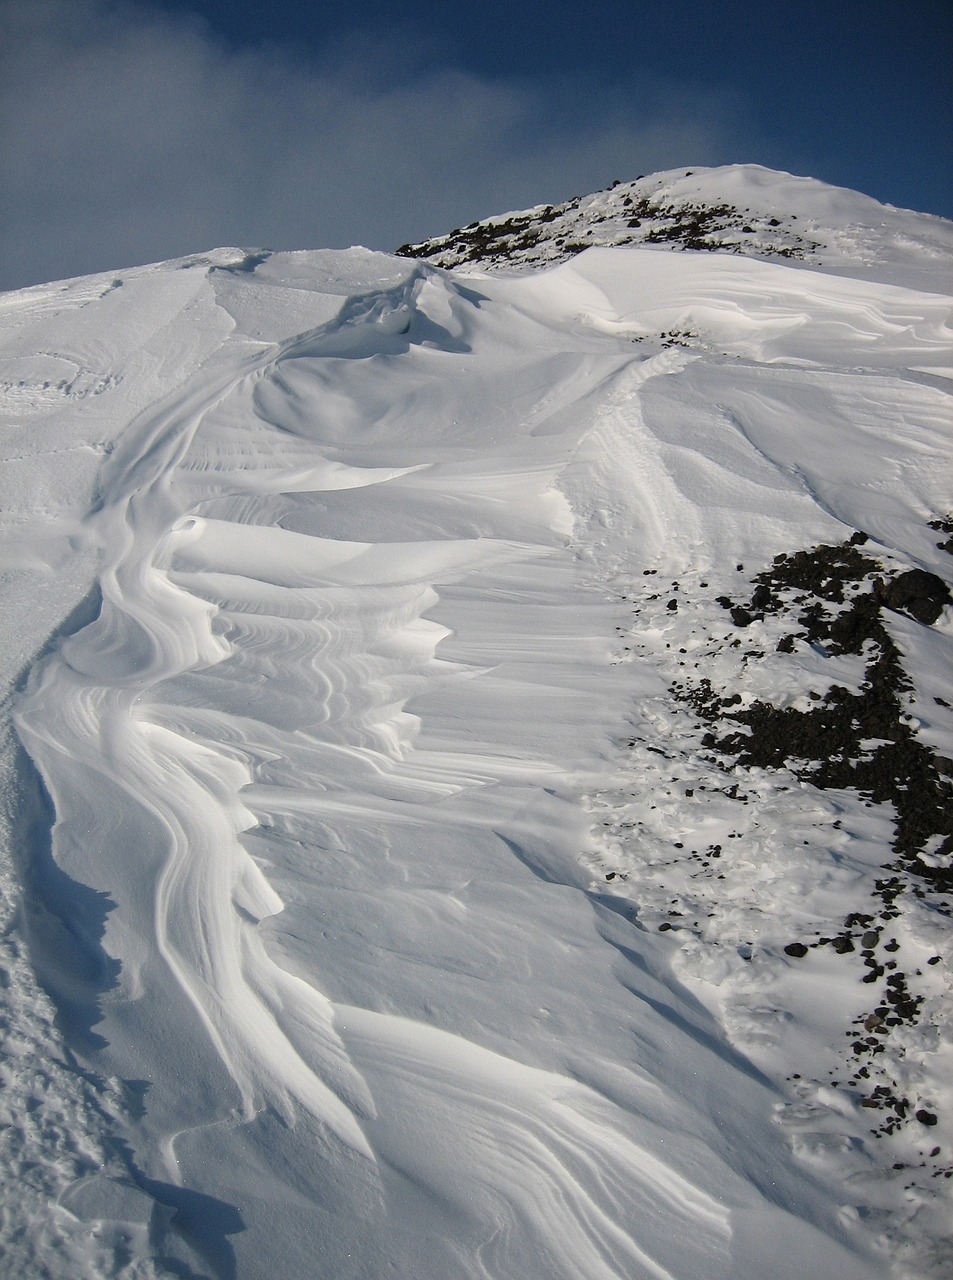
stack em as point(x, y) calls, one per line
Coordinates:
point(346, 792)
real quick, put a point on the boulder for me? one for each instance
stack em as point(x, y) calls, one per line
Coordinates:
point(920, 594)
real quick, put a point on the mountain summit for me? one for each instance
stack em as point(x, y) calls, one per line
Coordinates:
point(743, 209)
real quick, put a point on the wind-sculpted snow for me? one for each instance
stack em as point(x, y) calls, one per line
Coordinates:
point(325, 744)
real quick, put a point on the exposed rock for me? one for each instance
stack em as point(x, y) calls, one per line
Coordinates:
point(920, 594)
point(861, 739)
point(631, 213)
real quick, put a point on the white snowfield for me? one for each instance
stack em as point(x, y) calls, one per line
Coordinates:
point(319, 573)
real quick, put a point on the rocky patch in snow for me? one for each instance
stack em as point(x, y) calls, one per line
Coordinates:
point(627, 213)
point(786, 776)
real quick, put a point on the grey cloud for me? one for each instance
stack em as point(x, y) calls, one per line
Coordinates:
point(129, 137)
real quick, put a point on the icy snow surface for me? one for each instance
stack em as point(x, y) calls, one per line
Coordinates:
point(346, 790)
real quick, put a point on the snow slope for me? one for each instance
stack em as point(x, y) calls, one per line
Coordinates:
point(348, 822)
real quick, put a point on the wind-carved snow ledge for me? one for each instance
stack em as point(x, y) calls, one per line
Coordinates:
point(152, 814)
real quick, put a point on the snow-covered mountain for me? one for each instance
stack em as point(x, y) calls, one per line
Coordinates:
point(477, 785)
point(743, 209)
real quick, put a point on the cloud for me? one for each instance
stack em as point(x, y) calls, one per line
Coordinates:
point(131, 135)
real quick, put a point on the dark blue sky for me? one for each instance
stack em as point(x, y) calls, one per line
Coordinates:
point(141, 129)
point(863, 88)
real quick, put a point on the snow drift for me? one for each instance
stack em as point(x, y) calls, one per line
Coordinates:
point(355, 815)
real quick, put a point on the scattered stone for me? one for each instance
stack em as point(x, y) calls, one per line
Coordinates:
point(944, 526)
point(862, 740)
point(824, 744)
